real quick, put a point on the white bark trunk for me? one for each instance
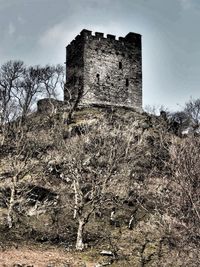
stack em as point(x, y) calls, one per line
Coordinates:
point(75, 199)
point(130, 225)
point(79, 240)
point(10, 208)
point(2, 140)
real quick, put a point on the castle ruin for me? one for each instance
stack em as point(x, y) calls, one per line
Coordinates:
point(104, 71)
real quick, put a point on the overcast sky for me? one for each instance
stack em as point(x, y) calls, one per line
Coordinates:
point(37, 31)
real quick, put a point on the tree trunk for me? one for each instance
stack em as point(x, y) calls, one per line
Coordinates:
point(79, 240)
point(75, 104)
point(75, 199)
point(10, 208)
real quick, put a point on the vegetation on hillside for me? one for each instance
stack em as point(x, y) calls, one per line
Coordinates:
point(108, 179)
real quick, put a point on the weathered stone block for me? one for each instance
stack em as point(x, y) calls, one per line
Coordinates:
point(48, 105)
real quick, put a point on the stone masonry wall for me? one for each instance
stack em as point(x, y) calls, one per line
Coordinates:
point(74, 69)
point(109, 70)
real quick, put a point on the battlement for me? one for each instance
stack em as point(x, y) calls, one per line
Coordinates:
point(130, 38)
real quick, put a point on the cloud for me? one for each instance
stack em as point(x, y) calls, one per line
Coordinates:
point(61, 33)
point(53, 41)
point(21, 20)
point(186, 4)
point(56, 34)
point(11, 29)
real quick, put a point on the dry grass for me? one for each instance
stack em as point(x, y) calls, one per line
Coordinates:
point(40, 257)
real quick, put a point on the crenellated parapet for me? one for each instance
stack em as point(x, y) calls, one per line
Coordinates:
point(88, 35)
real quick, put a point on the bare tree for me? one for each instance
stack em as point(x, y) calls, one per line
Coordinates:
point(89, 162)
point(192, 109)
point(155, 109)
point(172, 187)
point(18, 165)
point(27, 89)
point(10, 73)
point(179, 122)
point(21, 86)
point(52, 80)
point(74, 94)
point(185, 164)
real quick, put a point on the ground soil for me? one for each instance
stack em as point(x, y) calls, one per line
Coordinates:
point(33, 256)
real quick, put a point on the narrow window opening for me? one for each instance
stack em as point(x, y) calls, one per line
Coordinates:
point(98, 78)
point(74, 80)
point(127, 82)
point(120, 65)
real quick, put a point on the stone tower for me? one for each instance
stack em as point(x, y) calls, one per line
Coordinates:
point(103, 71)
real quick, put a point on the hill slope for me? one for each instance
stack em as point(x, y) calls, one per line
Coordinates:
point(112, 180)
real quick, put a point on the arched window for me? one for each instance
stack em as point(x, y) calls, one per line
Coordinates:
point(120, 65)
point(127, 82)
